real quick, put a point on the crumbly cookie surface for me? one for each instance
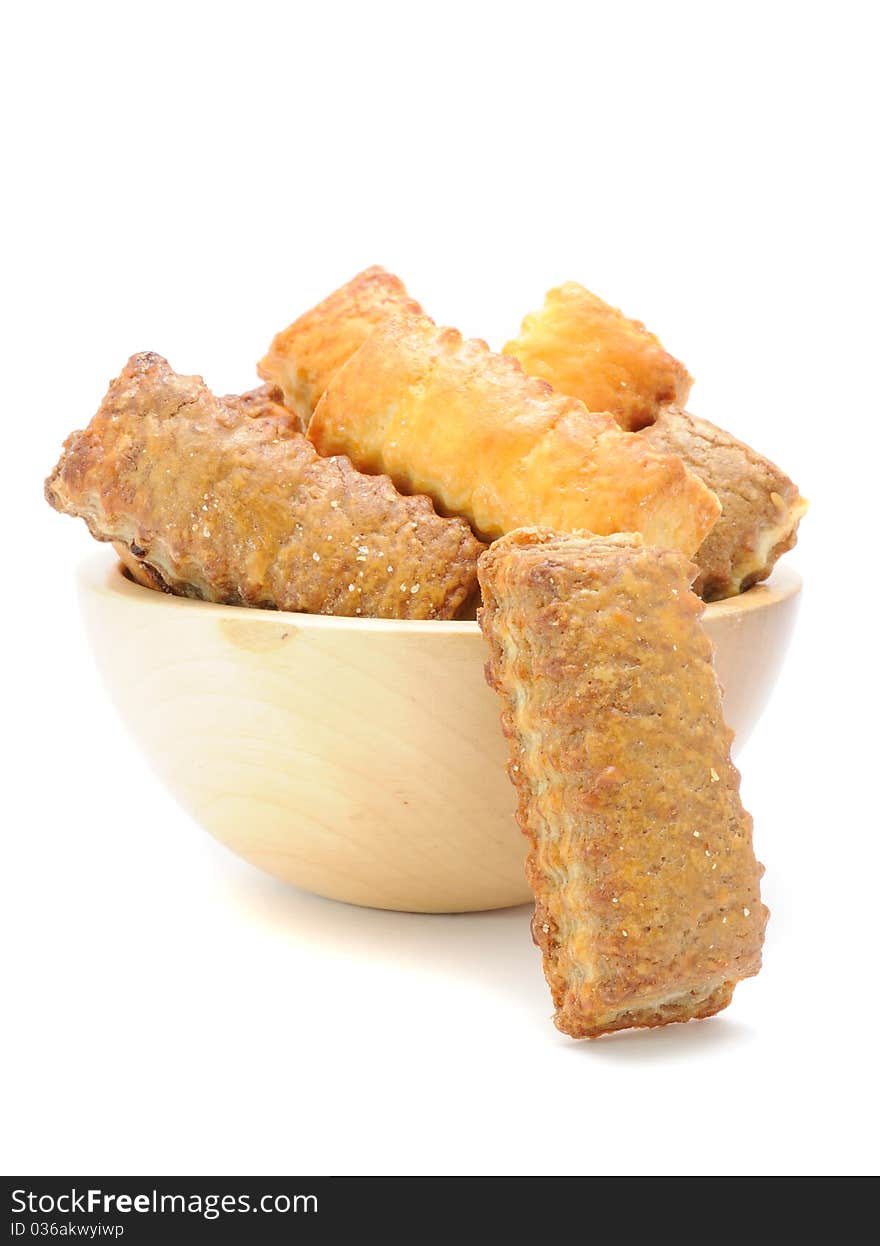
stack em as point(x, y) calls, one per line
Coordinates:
point(760, 507)
point(233, 507)
point(647, 900)
point(266, 400)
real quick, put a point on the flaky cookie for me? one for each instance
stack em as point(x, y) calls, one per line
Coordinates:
point(233, 507)
point(583, 347)
point(304, 356)
point(586, 348)
point(263, 401)
point(647, 901)
point(448, 417)
point(760, 507)
point(266, 400)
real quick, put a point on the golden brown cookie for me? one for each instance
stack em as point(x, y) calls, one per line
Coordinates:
point(586, 348)
point(760, 507)
point(448, 417)
point(304, 356)
point(263, 401)
point(237, 508)
point(647, 900)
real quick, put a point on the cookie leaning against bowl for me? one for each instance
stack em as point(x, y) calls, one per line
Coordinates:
point(229, 506)
point(647, 900)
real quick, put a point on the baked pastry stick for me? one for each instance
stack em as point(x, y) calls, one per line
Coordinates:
point(760, 507)
point(586, 348)
point(647, 904)
point(266, 400)
point(236, 508)
point(263, 401)
point(304, 356)
point(449, 418)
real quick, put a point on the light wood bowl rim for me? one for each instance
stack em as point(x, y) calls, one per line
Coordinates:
point(103, 571)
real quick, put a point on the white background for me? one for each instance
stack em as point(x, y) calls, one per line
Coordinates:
point(187, 179)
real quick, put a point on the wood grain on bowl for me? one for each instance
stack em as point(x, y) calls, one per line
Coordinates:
point(360, 759)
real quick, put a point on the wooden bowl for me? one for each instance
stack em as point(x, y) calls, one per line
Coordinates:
point(360, 759)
